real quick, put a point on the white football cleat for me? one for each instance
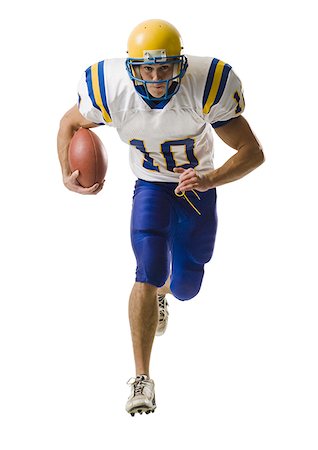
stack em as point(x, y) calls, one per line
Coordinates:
point(163, 315)
point(142, 398)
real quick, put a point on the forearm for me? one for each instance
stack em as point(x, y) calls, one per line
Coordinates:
point(65, 134)
point(243, 162)
point(238, 135)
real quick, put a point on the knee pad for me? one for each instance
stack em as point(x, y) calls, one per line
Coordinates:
point(186, 286)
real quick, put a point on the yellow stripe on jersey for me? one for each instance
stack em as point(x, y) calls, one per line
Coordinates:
point(98, 83)
point(214, 87)
point(215, 84)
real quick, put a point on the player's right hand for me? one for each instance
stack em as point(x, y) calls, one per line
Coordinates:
point(71, 183)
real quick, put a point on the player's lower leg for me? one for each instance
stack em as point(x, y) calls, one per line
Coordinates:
point(143, 318)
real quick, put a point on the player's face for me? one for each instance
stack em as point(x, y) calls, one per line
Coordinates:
point(156, 72)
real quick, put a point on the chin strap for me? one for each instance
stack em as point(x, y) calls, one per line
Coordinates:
point(184, 195)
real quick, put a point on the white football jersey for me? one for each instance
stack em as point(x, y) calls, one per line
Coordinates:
point(177, 133)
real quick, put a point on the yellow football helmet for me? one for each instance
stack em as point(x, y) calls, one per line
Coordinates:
point(155, 42)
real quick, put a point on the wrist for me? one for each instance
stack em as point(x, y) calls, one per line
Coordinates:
point(66, 175)
point(209, 179)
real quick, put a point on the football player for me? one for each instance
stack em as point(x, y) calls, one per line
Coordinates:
point(164, 105)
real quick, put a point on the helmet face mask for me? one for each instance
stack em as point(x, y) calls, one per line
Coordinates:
point(155, 42)
point(172, 84)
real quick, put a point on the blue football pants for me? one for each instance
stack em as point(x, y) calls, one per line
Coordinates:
point(169, 237)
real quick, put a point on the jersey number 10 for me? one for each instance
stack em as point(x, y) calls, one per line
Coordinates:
point(168, 154)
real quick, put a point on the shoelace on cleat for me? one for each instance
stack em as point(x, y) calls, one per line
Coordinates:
point(138, 385)
point(162, 311)
point(138, 388)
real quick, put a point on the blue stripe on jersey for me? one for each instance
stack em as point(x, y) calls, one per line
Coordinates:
point(225, 75)
point(89, 83)
point(222, 122)
point(209, 80)
point(215, 84)
point(102, 87)
point(96, 89)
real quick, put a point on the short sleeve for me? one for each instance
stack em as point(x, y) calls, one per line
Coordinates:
point(92, 100)
point(223, 95)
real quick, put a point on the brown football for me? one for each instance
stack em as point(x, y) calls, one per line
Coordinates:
point(88, 155)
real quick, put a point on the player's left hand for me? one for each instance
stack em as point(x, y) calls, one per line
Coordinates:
point(189, 179)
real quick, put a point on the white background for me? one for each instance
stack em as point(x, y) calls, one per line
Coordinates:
point(237, 367)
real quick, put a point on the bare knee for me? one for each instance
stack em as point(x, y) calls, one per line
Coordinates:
point(144, 290)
